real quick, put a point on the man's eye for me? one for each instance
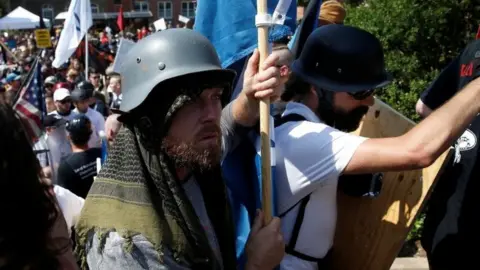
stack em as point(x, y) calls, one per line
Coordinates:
point(217, 96)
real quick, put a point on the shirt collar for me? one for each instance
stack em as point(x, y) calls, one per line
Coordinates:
point(301, 109)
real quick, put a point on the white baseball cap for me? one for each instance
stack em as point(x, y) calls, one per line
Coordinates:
point(60, 94)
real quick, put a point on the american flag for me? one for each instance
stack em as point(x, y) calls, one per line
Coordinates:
point(30, 105)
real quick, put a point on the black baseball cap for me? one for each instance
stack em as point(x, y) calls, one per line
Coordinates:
point(79, 124)
point(53, 120)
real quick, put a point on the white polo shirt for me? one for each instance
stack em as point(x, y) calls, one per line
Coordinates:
point(310, 156)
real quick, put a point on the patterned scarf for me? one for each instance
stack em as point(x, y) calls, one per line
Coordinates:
point(137, 192)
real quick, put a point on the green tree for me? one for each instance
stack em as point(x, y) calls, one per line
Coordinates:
point(420, 37)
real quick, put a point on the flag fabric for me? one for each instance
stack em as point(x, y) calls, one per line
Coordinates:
point(478, 33)
point(307, 26)
point(230, 26)
point(98, 59)
point(30, 104)
point(77, 23)
point(120, 23)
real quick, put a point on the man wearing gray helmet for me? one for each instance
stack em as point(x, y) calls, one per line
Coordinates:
point(159, 201)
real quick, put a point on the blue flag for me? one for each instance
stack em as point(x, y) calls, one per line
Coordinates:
point(230, 26)
point(307, 26)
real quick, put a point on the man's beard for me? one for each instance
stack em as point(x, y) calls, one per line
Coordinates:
point(192, 156)
point(349, 121)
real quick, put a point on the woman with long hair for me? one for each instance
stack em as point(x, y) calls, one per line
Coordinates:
point(33, 233)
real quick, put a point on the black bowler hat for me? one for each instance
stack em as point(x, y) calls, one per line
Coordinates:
point(53, 120)
point(342, 58)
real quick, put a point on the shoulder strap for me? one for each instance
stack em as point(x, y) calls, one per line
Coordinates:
point(280, 120)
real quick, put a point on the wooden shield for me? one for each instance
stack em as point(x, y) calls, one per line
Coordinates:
point(371, 231)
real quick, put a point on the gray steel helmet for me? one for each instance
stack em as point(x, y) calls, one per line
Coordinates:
point(162, 56)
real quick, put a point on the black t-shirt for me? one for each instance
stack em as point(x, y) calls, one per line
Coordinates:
point(76, 172)
point(452, 221)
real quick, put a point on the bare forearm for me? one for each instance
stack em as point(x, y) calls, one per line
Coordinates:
point(245, 112)
point(422, 145)
point(439, 130)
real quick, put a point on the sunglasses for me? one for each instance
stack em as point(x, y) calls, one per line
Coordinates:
point(362, 95)
point(65, 101)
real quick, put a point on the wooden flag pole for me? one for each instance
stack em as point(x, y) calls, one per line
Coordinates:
point(265, 119)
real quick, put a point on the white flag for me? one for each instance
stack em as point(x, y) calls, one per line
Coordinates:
point(77, 23)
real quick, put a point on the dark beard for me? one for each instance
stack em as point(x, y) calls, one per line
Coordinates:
point(349, 121)
point(191, 156)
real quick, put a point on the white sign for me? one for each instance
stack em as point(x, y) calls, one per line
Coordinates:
point(183, 19)
point(160, 24)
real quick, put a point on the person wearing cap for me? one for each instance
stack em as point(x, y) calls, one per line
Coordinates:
point(82, 98)
point(13, 81)
point(331, 12)
point(63, 103)
point(451, 219)
point(331, 88)
point(52, 147)
point(160, 190)
point(49, 83)
point(77, 171)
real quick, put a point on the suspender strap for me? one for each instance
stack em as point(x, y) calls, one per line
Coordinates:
point(290, 248)
point(298, 223)
point(288, 118)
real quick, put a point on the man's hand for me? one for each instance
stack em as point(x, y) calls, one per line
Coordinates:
point(265, 247)
point(257, 85)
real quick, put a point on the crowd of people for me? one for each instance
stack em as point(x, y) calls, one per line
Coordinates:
point(128, 175)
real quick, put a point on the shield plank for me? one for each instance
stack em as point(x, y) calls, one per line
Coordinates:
point(371, 231)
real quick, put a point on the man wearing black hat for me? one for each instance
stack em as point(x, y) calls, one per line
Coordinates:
point(82, 97)
point(331, 89)
point(77, 171)
point(452, 221)
point(52, 147)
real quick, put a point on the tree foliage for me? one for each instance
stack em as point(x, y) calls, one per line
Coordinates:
point(420, 37)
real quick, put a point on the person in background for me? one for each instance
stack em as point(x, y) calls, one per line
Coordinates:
point(76, 172)
point(95, 79)
point(49, 103)
point(49, 83)
point(33, 232)
point(115, 92)
point(112, 127)
point(53, 125)
point(72, 76)
point(13, 81)
point(98, 101)
point(81, 97)
point(451, 219)
point(332, 12)
point(63, 103)
point(285, 59)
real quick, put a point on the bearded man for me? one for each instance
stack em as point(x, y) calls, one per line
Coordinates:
point(331, 89)
point(160, 202)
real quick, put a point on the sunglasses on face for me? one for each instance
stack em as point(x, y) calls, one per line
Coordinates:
point(96, 77)
point(65, 101)
point(362, 95)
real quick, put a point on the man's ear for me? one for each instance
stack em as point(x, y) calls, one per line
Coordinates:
point(284, 71)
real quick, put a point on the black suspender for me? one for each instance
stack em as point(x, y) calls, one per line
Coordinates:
point(290, 248)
